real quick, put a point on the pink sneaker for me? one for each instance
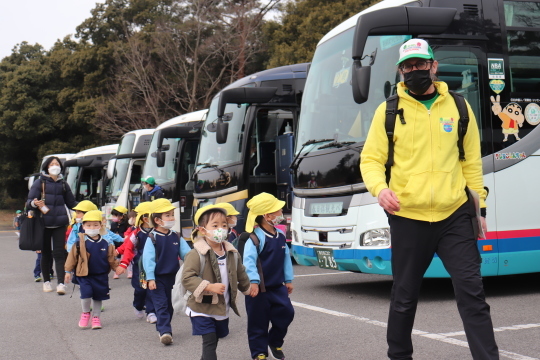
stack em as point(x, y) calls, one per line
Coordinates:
point(130, 274)
point(85, 318)
point(116, 276)
point(96, 323)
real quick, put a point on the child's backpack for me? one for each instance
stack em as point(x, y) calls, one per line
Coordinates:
point(180, 295)
point(242, 244)
point(142, 272)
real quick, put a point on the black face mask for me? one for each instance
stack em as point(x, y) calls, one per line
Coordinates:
point(418, 81)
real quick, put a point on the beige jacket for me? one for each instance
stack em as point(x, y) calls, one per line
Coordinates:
point(78, 258)
point(207, 302)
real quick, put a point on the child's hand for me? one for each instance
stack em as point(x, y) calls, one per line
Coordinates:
point(151, 285)
point(38, 251)
point(120, 270)
point(289, 288)
point(216, 288)
point(67, 278)
point(254, 291)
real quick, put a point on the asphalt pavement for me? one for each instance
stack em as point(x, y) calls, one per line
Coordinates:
point(339, 316)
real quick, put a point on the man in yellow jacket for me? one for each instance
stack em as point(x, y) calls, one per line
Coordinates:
point(426, 201)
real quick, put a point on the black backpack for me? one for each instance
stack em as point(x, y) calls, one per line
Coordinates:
point(390, 123)
point(142, 273)
point(241, 244)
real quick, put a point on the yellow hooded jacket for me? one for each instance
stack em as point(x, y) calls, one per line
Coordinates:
point(427, 176)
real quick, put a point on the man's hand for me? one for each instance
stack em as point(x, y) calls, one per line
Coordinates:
point(388, 201)
point(151, 285)
point(484, 225)
point(254, 290)
point(289, 287)
point(217, 288)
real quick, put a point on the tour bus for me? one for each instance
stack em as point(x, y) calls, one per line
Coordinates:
point(125, 170)
point(33, 177)
point(487, 51)
point(170, 160)
point(247, 141)
point(85, 173)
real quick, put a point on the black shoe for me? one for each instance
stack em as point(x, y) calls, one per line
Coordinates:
point(276, 353)
point(260, 357)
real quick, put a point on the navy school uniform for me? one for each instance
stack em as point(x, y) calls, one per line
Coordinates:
point(140, 299)
point(96, 284)
point(161, 265)
point(273, 306)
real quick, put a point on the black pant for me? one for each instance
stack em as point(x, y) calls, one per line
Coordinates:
point(58, 252)
point(209, 346)
point(413, 245)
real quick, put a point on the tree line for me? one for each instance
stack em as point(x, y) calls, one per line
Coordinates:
point(136, 63)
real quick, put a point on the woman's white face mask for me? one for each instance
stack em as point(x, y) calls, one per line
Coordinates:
point(54, 170)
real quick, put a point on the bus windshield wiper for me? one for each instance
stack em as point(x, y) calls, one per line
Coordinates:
point(206, 166)
point(295, 162)
point(339, 144)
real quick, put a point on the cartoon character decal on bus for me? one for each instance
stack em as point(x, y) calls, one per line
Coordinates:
point(511, 116)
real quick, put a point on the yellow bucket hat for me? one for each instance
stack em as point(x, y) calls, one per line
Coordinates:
point(261, 204)
point(141, 209)
point(85, 206)
point(204, 209)
point(228, 208)
point(93, 215)
point(160, 206)
point(121, 209)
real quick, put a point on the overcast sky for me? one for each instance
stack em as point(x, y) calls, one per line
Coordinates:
point(40, 21)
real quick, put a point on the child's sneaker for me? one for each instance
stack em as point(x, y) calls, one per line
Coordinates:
point(37, 278)
point(130, 274)
point(85, 318)
point(61, 289)
point(138, 313)
point(166, 339)
point(275, 353)
point(47, 286)
point(260, 357)
point(115, 276)
point(151, 318)
point(96, 323)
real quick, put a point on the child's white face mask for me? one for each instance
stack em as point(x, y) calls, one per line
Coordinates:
point(91, 232)
point(168, 224)
point(78, 220)
point(216, 235)
point(131, 221)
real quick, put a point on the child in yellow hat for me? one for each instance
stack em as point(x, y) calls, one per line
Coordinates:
point(131, 253)
point(160, 261)
point(269, 301)
point(119, 218)
point(76, 226)
point(91, 259)
point(212, 297)
point(231, 220)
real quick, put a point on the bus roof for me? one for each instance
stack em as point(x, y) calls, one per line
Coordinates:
point(351, 22)
point(140, 132)
point(107, 149)
point(192, 116)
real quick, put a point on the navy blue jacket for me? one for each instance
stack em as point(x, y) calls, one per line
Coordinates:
point(56, 200)
point(155, 193)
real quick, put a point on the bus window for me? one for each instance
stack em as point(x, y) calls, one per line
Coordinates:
point(523, 45)
point(189, 156)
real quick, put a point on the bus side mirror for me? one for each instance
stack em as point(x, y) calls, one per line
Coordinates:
point(222, 131)
point(361, 76)
point(160, 158)
point(110, 168)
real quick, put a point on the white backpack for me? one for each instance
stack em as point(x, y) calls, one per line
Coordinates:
point(180, 295)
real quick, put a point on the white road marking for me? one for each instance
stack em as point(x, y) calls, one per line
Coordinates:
point(321, 274)
point(439, 337)
point(499, 329)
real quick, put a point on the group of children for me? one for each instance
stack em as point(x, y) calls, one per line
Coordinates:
point(213, 270)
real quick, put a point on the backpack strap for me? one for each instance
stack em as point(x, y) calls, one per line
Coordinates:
point(389, 125)
point(463, 122)
point(257, 243)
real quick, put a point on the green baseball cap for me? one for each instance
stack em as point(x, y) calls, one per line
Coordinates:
point(149, 180)
point(415, 48)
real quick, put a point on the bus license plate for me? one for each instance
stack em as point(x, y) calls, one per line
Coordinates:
point(326, 260)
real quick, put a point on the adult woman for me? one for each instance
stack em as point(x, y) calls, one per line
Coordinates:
point(51, 192)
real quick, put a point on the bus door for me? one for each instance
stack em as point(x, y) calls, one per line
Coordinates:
point(134, 191)
point(515, 112)
point(460, 66)
point(187, 157)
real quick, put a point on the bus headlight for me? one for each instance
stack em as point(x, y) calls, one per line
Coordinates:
point(376, 237)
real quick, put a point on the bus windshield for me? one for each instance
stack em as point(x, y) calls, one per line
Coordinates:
point(166, 173)
point(127, 144)
point(71, 178)
point(212, 153)
point(328, 107)
point(120, 172)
